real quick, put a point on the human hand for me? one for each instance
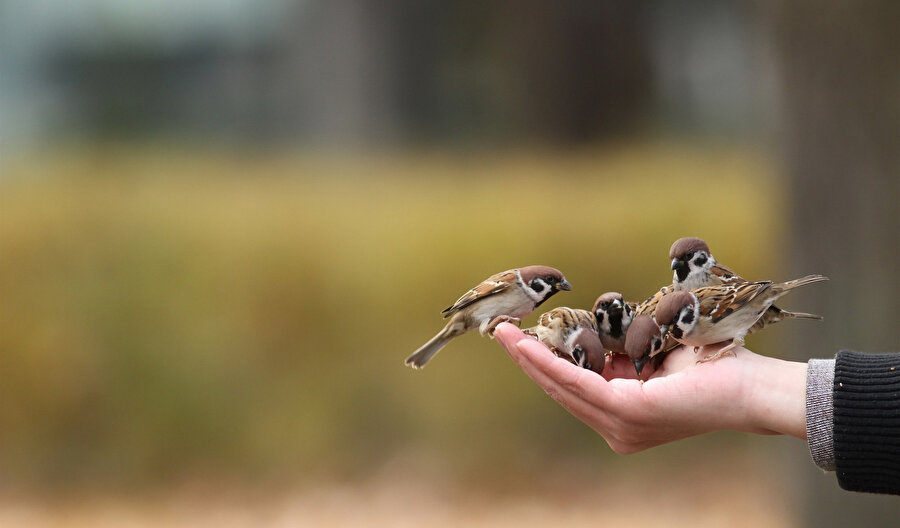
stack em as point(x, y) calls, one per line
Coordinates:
point(748, 392)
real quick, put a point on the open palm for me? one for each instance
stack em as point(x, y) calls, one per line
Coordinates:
point(748, 392)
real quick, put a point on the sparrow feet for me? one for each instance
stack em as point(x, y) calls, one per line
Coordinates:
point(501, 319)
point(725, 351)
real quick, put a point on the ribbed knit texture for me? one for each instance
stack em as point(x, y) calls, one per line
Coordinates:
point(820, 412)
point(867, 421)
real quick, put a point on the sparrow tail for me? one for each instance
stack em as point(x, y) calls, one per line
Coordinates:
point(800, 315)
point(420, 357)
point(803, 281)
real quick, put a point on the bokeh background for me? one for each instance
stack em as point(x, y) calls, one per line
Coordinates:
point(224, 225)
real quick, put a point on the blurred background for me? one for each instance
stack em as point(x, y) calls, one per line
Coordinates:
point(224, 225)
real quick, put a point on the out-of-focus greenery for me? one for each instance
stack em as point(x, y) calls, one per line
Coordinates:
point(165, 314)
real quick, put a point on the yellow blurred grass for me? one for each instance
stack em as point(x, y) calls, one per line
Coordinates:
point(166, 312)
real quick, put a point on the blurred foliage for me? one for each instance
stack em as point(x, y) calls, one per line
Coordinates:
point(165, 313)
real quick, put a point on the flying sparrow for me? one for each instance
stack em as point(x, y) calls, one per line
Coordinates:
point(719, 313)
point(506, 296)
point(644, 342)
point(571, 334)
point(613, 315)
point(694, 267)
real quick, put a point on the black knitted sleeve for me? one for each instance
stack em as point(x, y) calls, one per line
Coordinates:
point(867, 421)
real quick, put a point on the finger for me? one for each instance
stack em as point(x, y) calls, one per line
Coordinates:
point(574, 402)
point(508, 335)
point(579, 382)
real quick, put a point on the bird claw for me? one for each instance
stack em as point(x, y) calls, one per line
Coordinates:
point(726, 351)
point(501, 319)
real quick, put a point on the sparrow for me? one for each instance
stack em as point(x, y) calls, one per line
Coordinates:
point(613, 316)
point(505, 296)
point(644, 341)
point(571, 334)
point(694, 267)
point(720, 313)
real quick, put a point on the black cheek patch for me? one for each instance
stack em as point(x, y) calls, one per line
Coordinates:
point(701, 260)
point(688, 317)
point(578, 355)
point(537, 286)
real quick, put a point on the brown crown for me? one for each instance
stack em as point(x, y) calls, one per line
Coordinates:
point(669, 306)
point(606, 297)
point(682, 246)
point(638, 337)
point(533, 272)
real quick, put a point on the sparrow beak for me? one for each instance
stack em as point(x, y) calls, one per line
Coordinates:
point(563, 285)
point(639, 364)
point(676, 264)
point(665, 331)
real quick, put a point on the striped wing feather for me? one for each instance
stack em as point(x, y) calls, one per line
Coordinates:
point(648, 307)
point(719, 302)
point(494, 284)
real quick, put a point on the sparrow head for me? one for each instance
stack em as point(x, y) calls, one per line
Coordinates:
point(643, 339)
point(613, 313)
point(543, 281)
point(587, 351)
point(609, 303)
point(690, 256)
point(677, 313)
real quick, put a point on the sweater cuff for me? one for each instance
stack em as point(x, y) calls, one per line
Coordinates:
point(867, 421)
point(820, 412)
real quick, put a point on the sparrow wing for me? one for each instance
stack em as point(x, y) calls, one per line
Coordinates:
point(648, 307)
point(569, 318)
point(725, 275)
point(717, 302)
point(494, 284)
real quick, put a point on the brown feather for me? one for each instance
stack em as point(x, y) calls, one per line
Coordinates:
point(494, 284)
point(682, 246)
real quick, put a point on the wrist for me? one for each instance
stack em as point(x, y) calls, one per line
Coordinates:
point(777, 400)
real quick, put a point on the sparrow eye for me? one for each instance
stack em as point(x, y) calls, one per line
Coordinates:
point(550, 279)
point(688, 255)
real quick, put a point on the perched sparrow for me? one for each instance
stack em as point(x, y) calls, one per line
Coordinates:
point(644, 342)
point(718, 313)
point(506, 296)
point(695, 267)
point(572, 335)
point(613, 315)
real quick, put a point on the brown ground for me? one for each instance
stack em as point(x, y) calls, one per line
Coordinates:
point(745, 496)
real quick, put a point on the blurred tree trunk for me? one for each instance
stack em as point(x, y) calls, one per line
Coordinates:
point(840, 99)
point(583, 68)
